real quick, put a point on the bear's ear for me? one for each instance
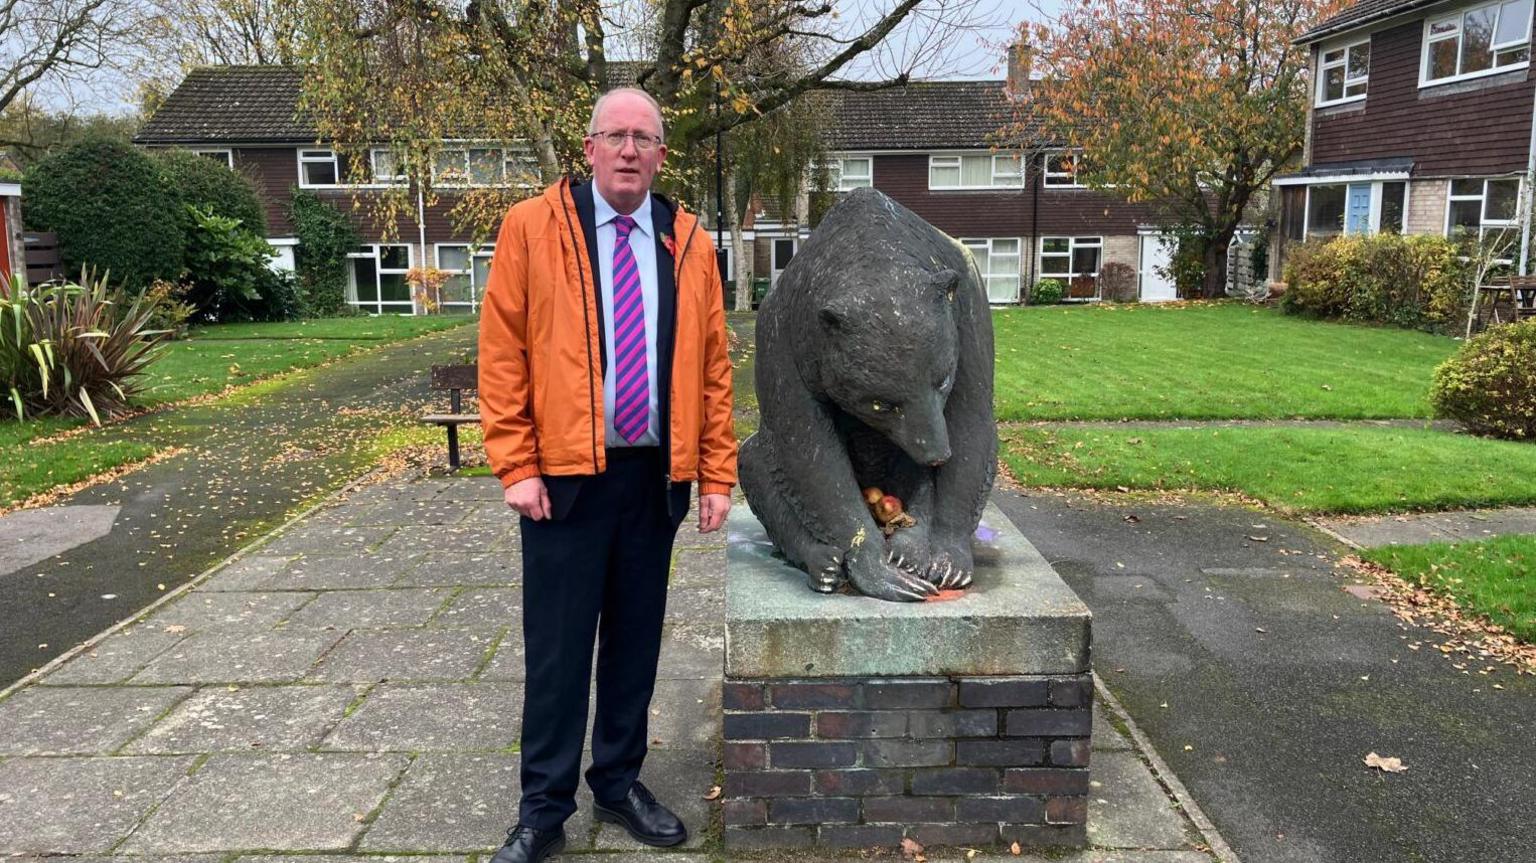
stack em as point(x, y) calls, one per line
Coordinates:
point(943, 284)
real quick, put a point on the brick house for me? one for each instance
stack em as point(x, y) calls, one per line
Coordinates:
point(1420, 122)
point(928, 145)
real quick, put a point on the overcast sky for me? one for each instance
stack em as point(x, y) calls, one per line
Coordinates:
point(975, 54)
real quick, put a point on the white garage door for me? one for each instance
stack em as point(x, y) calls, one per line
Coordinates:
point(1156, 254)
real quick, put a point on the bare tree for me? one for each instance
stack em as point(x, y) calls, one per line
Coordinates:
point(60, 42)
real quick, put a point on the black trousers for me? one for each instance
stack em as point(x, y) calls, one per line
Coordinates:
point(599, 572)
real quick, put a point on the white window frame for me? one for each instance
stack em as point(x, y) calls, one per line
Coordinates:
point(1324, 64)
point(1460, 18)
point(311, 155)
point(1096, 242)
point(475, 291)
point(377, 306)
point(1047, 175)
point(509, 154)
point(227, 153)
point(990, 244)
point(1485, 224)
point(838, 166)
point(957, 161)
point(1378, 189)
point(373, 168)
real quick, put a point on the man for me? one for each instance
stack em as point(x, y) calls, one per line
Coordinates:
point(605, 389)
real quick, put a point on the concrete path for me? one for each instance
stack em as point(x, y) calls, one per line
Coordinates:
point(353, 686)
point(71, 570)
point(1230, 639)
point(1420, 528)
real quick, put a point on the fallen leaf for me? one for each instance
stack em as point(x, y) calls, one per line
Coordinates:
point(910, 847)
point(1259, 629)
point(1132, 518)
point(1385, 764)
point(175, 627)
point(1258, 538)
point(714, 793)
point(1015, 849)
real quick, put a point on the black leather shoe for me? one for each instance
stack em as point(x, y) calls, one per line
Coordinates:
point(644, 818)
point(527, 845)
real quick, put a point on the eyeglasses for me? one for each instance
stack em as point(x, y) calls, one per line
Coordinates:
point(615, 140)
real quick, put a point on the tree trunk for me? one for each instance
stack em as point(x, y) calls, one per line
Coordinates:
point(738, 247)
point(1215, 261)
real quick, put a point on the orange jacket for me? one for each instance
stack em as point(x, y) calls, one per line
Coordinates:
point(541, 384)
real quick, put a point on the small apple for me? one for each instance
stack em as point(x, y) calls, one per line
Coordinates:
point(872, 495)
point(888, 509)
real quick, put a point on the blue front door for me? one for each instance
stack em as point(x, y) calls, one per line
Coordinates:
point(1357, 212)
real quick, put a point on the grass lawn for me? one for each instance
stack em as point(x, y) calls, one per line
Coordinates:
point(208, 360)
point(1297, 470)
point(1206, 361)
point(1492, 577)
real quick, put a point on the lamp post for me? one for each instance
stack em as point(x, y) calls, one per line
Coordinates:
point(720, 255)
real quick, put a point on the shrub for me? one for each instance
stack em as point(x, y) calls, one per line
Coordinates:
point(74, 349)
point(325, 237)
point(1117, 283)
point(1418, 281)
point(211, 186)
point(1047, 292)
point(228, 267)
point(110, 206)
point(170, 311)
point(1490, 384)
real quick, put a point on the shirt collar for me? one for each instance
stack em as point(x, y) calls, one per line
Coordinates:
point(603, 212)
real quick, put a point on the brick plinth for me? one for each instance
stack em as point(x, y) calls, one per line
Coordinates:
point(864, 762)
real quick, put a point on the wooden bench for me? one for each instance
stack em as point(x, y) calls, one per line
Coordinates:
point(455, 379)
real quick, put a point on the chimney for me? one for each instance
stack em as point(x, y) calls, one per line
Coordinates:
point(1019, 59)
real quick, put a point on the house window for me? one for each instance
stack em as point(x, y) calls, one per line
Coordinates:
point(1343, 73)
point(483, 166)
point(318, 168)
point(223, 157)
point(979, 171)
point(386, 166)
point(1477, 41)
point(851, 172)
point(1325, 210)
point(1061, 170)
point(1074, 261)
point(997, 259)
point(377, 278)
point(1487, 207)
point(470, 267)
point(1293, 208)
point(1393, 207)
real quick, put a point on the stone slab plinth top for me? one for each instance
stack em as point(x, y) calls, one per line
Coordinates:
point(1017, 618)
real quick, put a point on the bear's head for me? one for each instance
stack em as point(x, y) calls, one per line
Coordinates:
point(887, 357)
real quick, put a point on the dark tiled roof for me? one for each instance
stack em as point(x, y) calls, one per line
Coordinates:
point(234, 104)
point(923, 115)
point(1362, 13)
point(256, 105)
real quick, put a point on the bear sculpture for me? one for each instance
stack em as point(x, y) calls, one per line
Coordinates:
point(874, 369)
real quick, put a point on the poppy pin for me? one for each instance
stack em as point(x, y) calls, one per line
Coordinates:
point(666, 240)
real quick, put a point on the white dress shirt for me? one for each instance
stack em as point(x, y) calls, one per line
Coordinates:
point(642, 244)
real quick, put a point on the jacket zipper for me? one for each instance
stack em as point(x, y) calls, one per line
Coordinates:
point(677, 282)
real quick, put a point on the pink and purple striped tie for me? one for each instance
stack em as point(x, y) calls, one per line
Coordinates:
point(631, 389)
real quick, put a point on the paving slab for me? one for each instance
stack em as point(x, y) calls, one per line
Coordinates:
point(691, 650)
point(252, 572)
point(483, 606)
point(290, 801)
point(697, 606)
point(219, 656)
point(1127, 808)
point(355, 609)
point(448, 802)
point(1105, 735)
point(487, 567)
point(508, 663)
point(115, 658)
point(411, 515)
point(320, 571)
point(698, 568)
point(229, 609)
point(372, 655)
point(685, 714)
point(79, 805)
point(67, 720)
point(472, 538)
point(445, 717)
point(327, 539)
point(248, 719)
point(682, 778)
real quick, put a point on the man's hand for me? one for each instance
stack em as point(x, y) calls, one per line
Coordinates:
point(712, 510)
point(529, 498)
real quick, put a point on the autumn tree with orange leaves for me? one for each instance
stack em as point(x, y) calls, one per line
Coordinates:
point(1190, 104)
